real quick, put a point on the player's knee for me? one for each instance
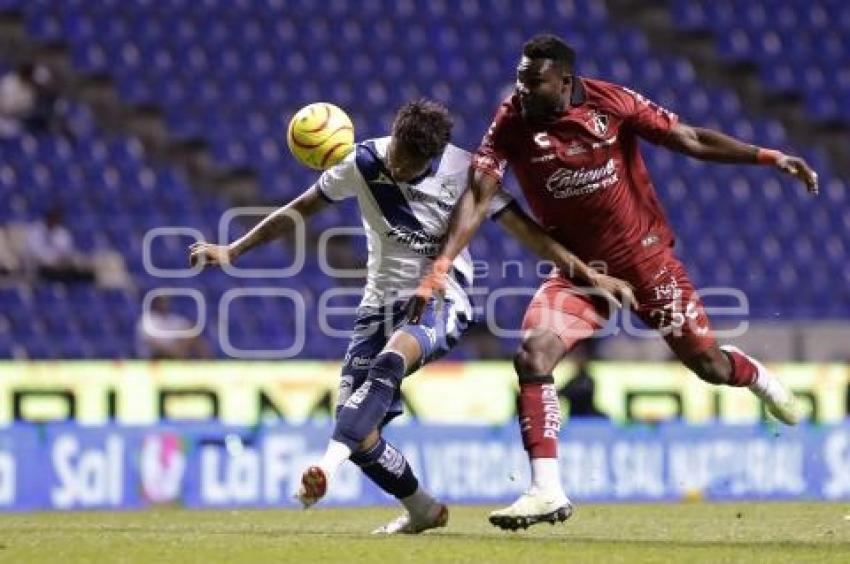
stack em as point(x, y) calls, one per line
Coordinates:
point(538, 354)
point(531, 361)
point(388, 366)
point(711, 366)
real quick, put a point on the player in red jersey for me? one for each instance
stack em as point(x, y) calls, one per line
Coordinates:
point(573, 145)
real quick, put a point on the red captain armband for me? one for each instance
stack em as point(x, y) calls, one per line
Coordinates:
point(436, 279)
point(768, 156)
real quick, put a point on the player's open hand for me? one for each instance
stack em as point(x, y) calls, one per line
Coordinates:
point(208, 253)
point(615, 290)
point(799, 169)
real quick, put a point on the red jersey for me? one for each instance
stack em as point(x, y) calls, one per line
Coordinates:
point(583, 175)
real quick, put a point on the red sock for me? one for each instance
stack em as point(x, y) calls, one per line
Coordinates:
point(539, 417)
point(743, 371)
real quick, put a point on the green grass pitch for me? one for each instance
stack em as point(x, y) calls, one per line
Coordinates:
point(689, 533)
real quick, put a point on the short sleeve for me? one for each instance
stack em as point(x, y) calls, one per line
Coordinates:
point(491, 157)
point(340, 181)
point(500, 202)
point(646, 118)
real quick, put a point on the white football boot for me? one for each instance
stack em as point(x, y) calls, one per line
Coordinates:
point(405, 524)
point(314, 486)
point(532, 507)
point(780, 400)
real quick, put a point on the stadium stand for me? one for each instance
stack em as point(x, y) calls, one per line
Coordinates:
point(798, 47)
point(231, 72)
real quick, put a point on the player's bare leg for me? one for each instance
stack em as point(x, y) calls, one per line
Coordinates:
point(540, 421)
point(729, 365)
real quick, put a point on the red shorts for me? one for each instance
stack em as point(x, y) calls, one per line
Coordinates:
point(669, 305)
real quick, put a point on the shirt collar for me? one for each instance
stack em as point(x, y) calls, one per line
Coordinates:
point(428, 172)
point(431, 170)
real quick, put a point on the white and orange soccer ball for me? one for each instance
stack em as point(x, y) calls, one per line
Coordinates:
point(320, 135)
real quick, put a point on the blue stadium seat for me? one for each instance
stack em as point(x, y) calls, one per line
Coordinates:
point(232, 72)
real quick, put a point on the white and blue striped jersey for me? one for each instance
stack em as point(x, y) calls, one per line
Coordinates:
point(405, 222)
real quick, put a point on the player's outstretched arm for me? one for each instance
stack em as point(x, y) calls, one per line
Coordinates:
point(471, 210)
point(710, 145)
point(277, 224)
point(529, 233)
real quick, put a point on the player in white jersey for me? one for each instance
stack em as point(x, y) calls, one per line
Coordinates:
point(406, 186)
point(405, 220)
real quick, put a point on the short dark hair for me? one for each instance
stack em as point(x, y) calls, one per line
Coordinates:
point(548, 46)
point(423, 127)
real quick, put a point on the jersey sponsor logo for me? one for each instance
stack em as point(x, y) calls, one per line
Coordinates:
point(354, 401)
point(357, 361)
point(448, 189)
point(431, 333)
point(418, 241)
point(568, 182)
point(605, 142)
point(542, 140)
point(575, 148)
point(598, 122)
point(445, 200)
point(543, 159)
point(650, 240)
point(419, 196)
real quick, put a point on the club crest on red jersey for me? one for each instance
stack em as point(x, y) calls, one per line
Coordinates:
point(598, 122)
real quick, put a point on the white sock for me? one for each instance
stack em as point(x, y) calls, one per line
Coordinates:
point(418, 503)
point(335, 455)
point(546, 475)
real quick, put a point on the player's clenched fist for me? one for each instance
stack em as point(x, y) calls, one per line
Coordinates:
point(208, 253)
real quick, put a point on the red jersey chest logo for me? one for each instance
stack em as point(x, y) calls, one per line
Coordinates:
point(581, 141)
point(597, 122)
point(572, 182)
point(577, 157)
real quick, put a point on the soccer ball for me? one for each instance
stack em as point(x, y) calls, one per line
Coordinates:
point(320, 135)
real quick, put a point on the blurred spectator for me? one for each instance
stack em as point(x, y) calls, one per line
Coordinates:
point(9, 262)
point(49, 248)
point(580, 390)
point(28, 101)
point(158, 334)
